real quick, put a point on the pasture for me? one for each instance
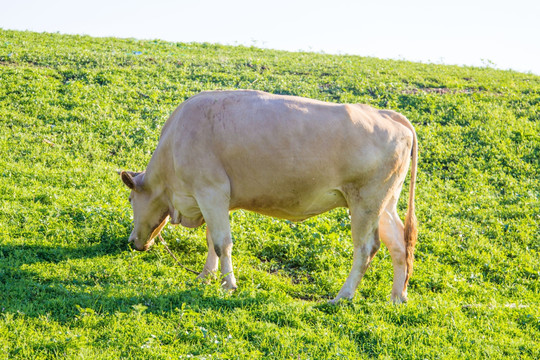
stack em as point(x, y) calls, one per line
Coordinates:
point(74, 109)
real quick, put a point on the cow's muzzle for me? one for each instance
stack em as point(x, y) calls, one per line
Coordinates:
point(145, 247)
point(136, 244)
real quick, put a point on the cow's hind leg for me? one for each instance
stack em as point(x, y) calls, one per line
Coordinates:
point(212, 259)
point(365, 236)
point(392, 235)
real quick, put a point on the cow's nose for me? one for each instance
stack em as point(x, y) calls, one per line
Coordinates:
point(134, 247)
point(132, 241)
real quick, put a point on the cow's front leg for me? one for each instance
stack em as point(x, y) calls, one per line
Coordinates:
point(223, 248)
point(216, 215)
point(211, 264)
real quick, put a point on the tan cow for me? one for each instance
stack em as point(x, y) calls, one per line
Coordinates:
point(282, 156)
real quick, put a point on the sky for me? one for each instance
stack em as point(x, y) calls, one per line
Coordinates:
point(503, 34)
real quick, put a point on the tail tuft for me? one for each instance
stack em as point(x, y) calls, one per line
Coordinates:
point(411, 231)
point(411, 234)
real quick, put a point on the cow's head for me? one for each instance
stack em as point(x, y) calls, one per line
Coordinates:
point(150, 213)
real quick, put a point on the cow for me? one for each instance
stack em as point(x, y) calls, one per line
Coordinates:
point(283, 156)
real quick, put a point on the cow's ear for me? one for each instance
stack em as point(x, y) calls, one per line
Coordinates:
point(128, 179)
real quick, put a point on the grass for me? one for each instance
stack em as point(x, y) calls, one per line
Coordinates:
point(73, 109)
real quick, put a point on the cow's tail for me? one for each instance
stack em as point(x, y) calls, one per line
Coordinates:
point(411, 231)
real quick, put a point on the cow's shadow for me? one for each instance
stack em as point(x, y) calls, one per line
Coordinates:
point(24, 290)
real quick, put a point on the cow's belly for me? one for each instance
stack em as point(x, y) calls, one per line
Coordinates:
point(292, 205)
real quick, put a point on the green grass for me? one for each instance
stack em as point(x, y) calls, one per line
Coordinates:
point(73, 109)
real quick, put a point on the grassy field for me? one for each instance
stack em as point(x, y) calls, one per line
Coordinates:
point(74, 109)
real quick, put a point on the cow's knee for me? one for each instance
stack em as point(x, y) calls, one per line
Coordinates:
point(223, 248)
point(217, 250)
point(375, 245)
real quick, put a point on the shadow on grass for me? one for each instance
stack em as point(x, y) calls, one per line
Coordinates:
point(84, 301)
point(31, 253)
point(60, 298)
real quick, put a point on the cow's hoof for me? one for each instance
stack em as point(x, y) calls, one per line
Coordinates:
point(204, 279)
point(399, 299)
point(228, 287)
point(206, 276)
point(338, 300)
point(229, 283)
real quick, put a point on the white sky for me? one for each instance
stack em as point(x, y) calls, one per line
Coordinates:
point(502, 33)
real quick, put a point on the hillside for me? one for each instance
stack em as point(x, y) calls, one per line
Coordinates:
point(74, 109)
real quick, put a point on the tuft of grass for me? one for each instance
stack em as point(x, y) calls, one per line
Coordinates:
point(73, 109)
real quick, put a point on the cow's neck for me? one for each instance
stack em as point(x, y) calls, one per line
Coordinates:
point(155, 180)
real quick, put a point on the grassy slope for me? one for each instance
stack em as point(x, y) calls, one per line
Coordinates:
point(74, 109)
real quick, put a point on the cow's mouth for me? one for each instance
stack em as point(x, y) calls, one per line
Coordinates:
point(157, 229)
